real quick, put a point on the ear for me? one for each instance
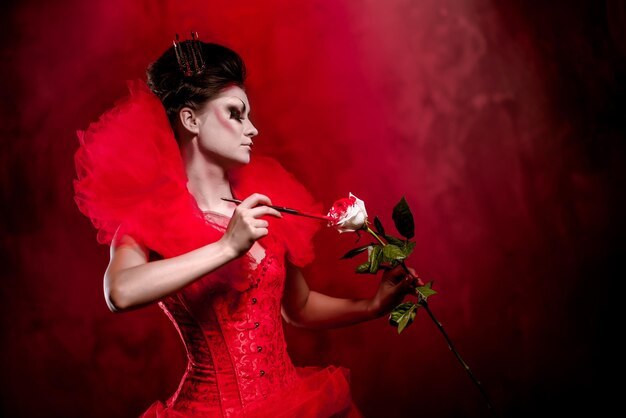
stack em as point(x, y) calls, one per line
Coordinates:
point(189, 120)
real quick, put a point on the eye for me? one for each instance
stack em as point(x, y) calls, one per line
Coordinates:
point(235, 114)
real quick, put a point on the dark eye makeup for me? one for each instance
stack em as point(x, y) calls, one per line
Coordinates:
point(235, 113)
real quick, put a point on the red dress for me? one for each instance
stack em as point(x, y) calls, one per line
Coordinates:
point(131, 178)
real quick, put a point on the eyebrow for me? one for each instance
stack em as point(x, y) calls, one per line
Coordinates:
point(242, 102)
point(244, 105)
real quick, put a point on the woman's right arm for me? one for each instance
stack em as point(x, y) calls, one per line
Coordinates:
point(132, 281)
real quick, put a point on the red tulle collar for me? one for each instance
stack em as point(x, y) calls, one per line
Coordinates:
point(130, 176)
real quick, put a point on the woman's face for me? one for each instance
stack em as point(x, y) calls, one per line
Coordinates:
point(225, 131)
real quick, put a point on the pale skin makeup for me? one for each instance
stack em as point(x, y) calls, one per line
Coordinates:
point(214, 139)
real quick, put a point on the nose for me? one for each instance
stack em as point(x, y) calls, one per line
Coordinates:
point(251, 130)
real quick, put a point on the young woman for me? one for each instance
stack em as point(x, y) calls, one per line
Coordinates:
point(152, 173)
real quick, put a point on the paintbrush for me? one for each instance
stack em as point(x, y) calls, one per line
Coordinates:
point(289, 211)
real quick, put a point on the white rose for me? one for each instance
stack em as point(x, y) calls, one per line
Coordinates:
point(348, 214)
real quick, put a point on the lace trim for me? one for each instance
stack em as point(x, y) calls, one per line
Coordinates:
point(258, 250)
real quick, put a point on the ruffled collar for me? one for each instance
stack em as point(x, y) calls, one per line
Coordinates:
point(130, 177)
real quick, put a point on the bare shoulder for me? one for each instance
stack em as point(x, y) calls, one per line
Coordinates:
point(126, 251)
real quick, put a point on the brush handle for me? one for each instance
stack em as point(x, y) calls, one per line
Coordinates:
point(288, 210)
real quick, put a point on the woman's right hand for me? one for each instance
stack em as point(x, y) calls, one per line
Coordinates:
point(245, 227)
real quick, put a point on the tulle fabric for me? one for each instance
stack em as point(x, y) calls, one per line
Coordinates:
point(131, 177)
point(319, 393)
point(265, 175)
point(131, 180)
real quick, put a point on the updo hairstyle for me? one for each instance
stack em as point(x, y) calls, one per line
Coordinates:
point(224, 67)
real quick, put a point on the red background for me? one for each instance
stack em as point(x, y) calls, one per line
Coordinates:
point(501, 122)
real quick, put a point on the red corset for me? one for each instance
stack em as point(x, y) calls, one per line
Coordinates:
point(238, 365)
point(235, 343)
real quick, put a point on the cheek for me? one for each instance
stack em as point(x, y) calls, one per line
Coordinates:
point(229, 125)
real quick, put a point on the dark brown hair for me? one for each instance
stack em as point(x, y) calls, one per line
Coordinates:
point(224, 67)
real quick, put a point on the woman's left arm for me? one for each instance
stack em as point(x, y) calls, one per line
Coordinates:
point(306, 308)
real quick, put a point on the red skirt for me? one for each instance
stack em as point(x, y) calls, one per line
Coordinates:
point(319, 393)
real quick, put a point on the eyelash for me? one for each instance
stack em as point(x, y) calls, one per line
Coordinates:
point(235, 114)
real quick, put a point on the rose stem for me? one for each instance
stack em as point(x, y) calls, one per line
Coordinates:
point(422, 301)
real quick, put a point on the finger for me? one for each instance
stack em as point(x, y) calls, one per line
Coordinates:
point(396, 280)
point(407, 282)
point(261, 223)
point(259, 211)
point(396, 277)
point(254, 200)
point(261, 232)
point(417, 280)
point(397, 273)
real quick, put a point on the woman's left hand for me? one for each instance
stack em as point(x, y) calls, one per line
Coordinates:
point(394, 286)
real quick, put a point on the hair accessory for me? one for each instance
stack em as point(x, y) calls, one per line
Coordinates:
point(189, 55)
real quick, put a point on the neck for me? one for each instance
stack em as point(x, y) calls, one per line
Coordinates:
point(208, 183)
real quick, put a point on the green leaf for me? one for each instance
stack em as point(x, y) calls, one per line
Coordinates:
point(403, 315)
point(395, 241)
point(403, 219)
point(407, 319)
point(393, 263)
point(375, 257)
point(379, 226)
point(398, 311)
point(363, 268)
point(356, 251)
point(427, 290)
point(393, 252)
point(408, 247)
